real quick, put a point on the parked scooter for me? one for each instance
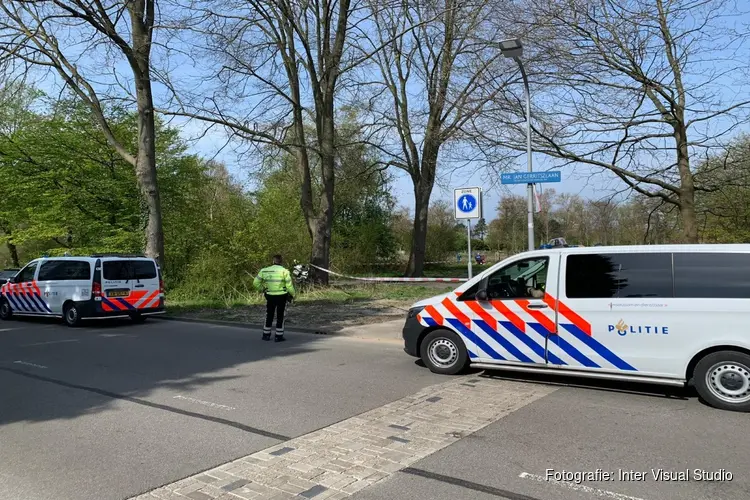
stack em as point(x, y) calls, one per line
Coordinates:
point(301, 273)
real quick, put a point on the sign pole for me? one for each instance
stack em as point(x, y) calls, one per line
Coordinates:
point(530, 186)
point(467, 203)
point(468, 240)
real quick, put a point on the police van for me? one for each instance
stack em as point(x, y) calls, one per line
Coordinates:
point(669, 315)
point(79, 288)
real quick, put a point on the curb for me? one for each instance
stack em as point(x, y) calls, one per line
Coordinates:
point(238, 324)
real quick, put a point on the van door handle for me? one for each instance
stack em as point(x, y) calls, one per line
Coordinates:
point(537, 306)
point(139, 286)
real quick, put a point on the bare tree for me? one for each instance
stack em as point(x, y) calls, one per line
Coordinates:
point(639, 88)
point(432, 81)
point(65, 36)
point(270, 68)
point(603, 217)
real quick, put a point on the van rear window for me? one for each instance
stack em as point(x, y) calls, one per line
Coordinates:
point(618, 275)
point(712, 275)
point(129, 270)
point(144, 269)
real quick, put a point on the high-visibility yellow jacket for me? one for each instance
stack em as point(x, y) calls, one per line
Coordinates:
point(274, 280)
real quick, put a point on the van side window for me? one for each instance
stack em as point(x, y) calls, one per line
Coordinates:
point(64, 270)
point(525, 279)
point(712, 276)
point(618, 275)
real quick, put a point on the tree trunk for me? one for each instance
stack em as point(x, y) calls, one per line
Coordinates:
point(145, 170)
point(321, 229)
point(689, 219)
point(687, 186)
point(422, 192)
point(142, 23)
point(13, 251)
point(321, 252)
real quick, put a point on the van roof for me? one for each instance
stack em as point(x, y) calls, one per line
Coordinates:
point(94, 257)
point(705, 248)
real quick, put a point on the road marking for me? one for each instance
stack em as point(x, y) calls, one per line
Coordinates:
point(26, 363)
point(6, 329)
point(579, 487)
point(50, 342)
point(205, 403)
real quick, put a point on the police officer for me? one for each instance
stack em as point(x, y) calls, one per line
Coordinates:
point(276, 283)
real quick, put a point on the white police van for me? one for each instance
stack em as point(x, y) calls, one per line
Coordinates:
point(658, 314)
point(78, 288)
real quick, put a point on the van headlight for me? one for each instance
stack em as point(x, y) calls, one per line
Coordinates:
point(414, 311)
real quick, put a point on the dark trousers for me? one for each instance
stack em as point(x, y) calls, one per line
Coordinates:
point(275, 305)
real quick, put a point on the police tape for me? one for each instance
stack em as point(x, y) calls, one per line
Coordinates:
point(404, 263)
point(392, 280)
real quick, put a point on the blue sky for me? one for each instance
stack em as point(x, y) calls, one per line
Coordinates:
point(213, 144)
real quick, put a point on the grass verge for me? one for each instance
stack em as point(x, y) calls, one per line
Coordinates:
point(334, 294)
point(331, 308)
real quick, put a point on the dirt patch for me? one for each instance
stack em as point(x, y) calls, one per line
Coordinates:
point(323, 316)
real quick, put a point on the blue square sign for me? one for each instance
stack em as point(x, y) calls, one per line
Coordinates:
point(531, 177)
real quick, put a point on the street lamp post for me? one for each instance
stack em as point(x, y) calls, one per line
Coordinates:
point(513, 49)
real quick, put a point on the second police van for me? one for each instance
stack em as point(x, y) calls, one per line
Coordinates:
point(658, 314)
point(79, 288)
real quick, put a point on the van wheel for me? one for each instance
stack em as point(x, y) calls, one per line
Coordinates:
point(444, 352)
point(6, 312)
point(722, 380)
point(71, 315)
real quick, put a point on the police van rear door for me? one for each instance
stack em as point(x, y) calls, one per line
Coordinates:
point(146, 292)
point(130, 285)
point(117, 284)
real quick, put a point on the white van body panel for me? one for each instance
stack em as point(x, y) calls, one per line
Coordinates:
point(56, 281)
point(56, 291)
point(649, 337)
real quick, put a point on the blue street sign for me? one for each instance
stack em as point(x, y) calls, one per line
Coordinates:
point(530, 177)
point(466, 203)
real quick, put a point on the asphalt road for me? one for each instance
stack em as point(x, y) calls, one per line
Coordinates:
point(112, 410)
point(115, 409)
point(575, 429)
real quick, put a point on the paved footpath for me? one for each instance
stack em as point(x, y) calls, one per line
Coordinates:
point(347, 457)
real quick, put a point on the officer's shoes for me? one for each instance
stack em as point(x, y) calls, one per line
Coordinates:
point(279, 338)
point(266, 336)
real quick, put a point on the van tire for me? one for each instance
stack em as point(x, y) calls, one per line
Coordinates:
point(443, 351)
point(71, 315)
point(6, 312)
point(722, 380)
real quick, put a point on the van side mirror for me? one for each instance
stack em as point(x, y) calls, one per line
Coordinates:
point(482, 295)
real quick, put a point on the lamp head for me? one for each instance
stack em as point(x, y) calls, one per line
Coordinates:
point(511, 48)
